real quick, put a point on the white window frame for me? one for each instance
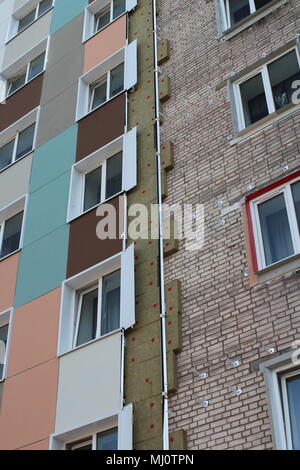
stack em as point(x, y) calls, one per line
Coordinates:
point(123, 261)
point(127, 144)
point(6, 213)
point(94, 9)
point(26, 73)
point(285, 403)
point(92, 439)
point(263, 71)
point(20, 13)
point(284, 189)
point(123, 422)
point(6, 318)
point(13, 131)
point(98, 286)
point(106, 78)
point(16, 141)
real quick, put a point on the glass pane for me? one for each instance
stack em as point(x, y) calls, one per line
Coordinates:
point(3, 342)
point(239, 9)
point(16, 83)
point(92, 189)
point(80, 445)
point(11, 236)
point(254, 100)
point(296, 197)
point(117, 80)
point(293, 391)
point(99, 95)
point(36, 66)
point(88, 317)
point(102, 19)
point(261, 3)
point(110, 313)
point(44, 6)
point(275, 229)
point(114, 175)
point(26, 20)
point(25, 141)
point(6, 154)
point(119, 8)
point(283, 72)
point(108, 440)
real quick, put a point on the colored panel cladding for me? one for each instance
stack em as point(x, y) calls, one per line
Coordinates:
point(32, 346)
point(89, 384)
point(53, 158)
point(14, 181)
point(41, 445)
point(101, 127)
point(42, 266)
point(65, 11)
point(105, 43)
point(85, 248)
point(21, 102)
point(28, 406)
point(8, 275)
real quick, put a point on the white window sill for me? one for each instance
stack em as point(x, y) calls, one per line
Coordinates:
point(10, 254)
point(252, 19)
point(16, 161)
point(285, 266)
point(100, 106)
point(102, 29)
point(23, 86)
point(94, 207)
point(28, 26)
point(264, 123)
point(112, 333)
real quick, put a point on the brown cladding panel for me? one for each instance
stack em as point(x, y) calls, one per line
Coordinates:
point(101, 127)
point(21, 102)
point(85, 249)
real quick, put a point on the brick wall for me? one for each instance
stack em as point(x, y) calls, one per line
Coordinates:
point(223, 317)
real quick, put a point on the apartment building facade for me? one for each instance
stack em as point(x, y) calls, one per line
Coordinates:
point(131, 341)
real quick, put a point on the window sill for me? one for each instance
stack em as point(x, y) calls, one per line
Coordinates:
point(23, 86)
point(20, 32)
point(10, 254)
point(252, 19)
point(278, 269)
point(69, 351)
point(264, 123)
point(102, 29)
point(96, 206)
point(101, 106)
point(16, 161)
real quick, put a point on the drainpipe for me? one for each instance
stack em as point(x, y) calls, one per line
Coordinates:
point(164, 364)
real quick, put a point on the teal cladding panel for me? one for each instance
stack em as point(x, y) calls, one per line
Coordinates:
point(65, 11)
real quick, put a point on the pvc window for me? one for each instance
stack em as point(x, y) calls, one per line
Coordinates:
point(18, 147)
point(276, 224)
point(98, 309)
point(34, 14)
point(107, 440)
point(5, 318)
point(107, 87)
point(290, 388)
point(234, 11)
point(267, 90)
point(32, 70)
point(108, 14)
point(10, 235)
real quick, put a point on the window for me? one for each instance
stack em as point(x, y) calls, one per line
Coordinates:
point(18, 147)
point(33, 15)
point(10, 234)
point(99, 309)
point(268, 90)
point(109, 13)
point(107, 87)
point(234, 11)
point(103, 182)
point(34, 68)
point(4, 335)
point(107, 440)
point(290, 386)
point(276, 223)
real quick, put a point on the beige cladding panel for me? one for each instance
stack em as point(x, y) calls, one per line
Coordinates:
point(14, 181)
point(89, 384)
